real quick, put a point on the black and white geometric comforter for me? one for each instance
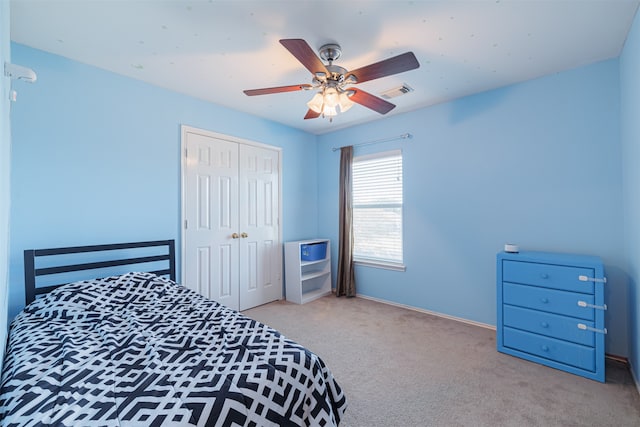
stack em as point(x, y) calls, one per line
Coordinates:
point(140, 350)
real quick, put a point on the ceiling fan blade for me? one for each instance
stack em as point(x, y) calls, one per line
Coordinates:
point(311, 115)
point(303, 52)
point(371, 101)
point(268, 90)
point(398, 64)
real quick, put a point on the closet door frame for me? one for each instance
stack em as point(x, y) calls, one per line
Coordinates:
point(184, 130)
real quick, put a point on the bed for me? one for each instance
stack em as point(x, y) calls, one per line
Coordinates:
point(137, 349)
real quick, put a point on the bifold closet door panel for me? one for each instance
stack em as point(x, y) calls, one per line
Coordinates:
point(211, 211)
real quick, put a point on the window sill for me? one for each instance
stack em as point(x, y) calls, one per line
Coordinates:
point(380, 264)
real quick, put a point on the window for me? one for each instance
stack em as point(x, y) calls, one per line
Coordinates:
point(377, 209)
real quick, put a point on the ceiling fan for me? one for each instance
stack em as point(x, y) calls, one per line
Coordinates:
point(332, 82)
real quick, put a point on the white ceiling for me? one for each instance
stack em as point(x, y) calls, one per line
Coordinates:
point(215, 49)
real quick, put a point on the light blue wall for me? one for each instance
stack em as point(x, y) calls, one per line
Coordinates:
point(96, 159)
point(5, 174)
point(536, 164)
point(630, 125)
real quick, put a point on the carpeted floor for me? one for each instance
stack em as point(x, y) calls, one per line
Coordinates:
point(404, 368)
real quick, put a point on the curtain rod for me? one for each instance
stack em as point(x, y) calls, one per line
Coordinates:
point(377, 141)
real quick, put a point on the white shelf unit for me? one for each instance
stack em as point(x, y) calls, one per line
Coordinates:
point(306, 280)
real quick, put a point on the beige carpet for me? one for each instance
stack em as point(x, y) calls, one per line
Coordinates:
point(403, 368)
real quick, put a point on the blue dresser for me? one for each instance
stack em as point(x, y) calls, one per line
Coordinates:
point(551, 310)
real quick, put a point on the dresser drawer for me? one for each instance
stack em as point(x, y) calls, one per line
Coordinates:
point(548, 276)
point(549, 300)
point(550, 348)
point(552, 325)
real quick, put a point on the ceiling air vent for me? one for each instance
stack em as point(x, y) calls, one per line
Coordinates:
point(396, 91)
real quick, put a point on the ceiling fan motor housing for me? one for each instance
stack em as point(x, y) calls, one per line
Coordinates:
point(330, 52)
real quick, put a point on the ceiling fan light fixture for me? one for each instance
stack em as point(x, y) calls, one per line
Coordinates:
point(316, 103)
point(328, 111)
point(344, 102)
point(331, 97)
point(327, 102)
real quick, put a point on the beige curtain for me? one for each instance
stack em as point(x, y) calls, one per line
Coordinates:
point(346, 283)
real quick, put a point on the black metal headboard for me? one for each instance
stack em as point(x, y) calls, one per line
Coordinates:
point(118, 259)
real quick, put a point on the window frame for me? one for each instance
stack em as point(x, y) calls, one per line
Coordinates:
point(387, 264)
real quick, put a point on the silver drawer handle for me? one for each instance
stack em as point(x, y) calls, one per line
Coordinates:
point(592, 279)
point(587, 305)
point(589, 328)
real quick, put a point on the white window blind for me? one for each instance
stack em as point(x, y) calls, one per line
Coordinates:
point(377, 208)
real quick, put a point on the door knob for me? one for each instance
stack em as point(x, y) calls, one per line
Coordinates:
point(244, 235)
point(234, 236)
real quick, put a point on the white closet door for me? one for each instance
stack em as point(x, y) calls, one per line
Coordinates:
point(211, 259)
point(231, 243)
point(260, 252)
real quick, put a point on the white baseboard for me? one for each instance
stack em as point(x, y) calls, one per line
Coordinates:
point(433, 313)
